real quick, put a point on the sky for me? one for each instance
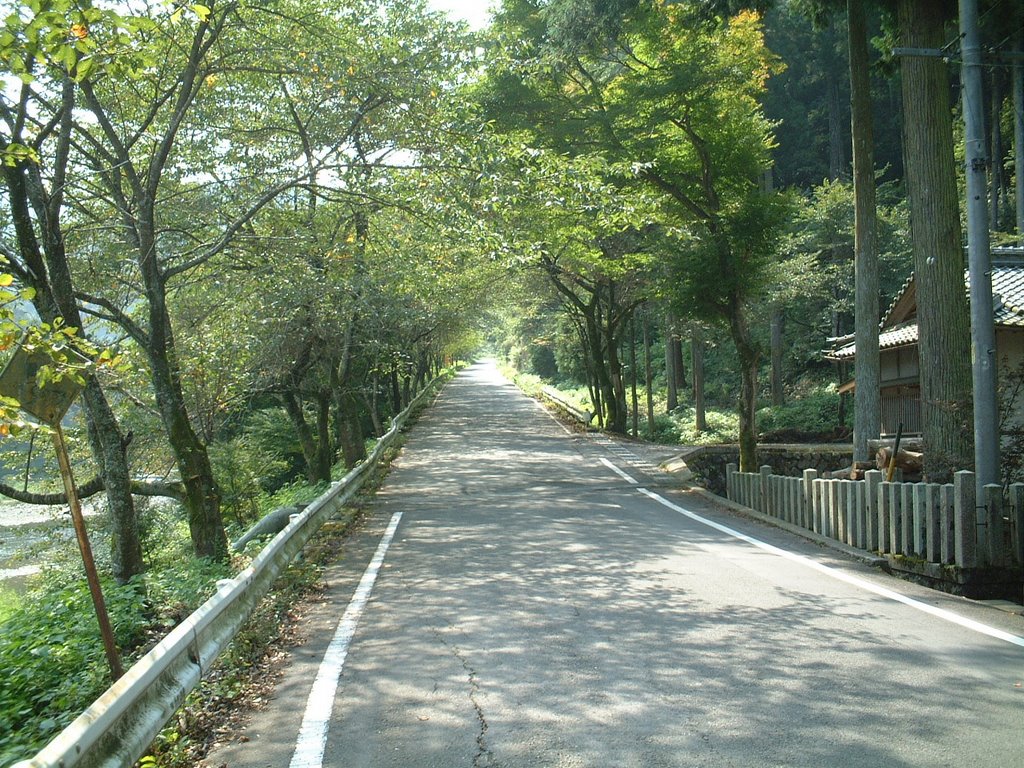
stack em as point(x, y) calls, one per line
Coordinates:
point(473, 12)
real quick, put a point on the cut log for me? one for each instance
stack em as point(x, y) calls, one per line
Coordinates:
point(911, 443)
point(908, 461)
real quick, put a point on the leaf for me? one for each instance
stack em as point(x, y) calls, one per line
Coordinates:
point(201, 11)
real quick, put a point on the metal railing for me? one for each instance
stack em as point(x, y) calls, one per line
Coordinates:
point(117, 729)
point(552, 394)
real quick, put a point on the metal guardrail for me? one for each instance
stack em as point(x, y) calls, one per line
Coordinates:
point(117, 729)
point(552, 394)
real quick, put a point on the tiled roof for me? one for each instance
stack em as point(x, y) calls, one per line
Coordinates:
point(900, 336)
point(1007, 301)
point(1008, 294)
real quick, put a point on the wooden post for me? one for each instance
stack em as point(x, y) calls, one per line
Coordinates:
point(764, 497)
point(109, 646)
point(730, 481)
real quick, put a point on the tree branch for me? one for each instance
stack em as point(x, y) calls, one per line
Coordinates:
point(168, 490)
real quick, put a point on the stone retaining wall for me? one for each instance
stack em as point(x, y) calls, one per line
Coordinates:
point(708, 462)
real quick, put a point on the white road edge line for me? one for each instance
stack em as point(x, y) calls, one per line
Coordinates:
point(940, 613)
point(618, 472)
point(312, 738)
point(551, 416)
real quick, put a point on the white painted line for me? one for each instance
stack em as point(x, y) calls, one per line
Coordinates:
point(312, 739)
point(839, 575)
point(618, 472)
point(552, 416)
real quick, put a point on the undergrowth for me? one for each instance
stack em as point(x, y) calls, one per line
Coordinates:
point(815, 412)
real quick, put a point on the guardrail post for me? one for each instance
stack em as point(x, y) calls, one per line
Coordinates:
point(730, 481)
point(965, 520)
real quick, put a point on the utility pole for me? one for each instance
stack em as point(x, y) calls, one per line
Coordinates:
point(983, 343)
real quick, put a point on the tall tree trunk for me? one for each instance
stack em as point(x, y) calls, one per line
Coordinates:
point(396, 391)
point(619, 415)
point(672, 393)
point(747, 352)
point(942, 316)
point(648, 373)
point(997, 183)
point(777, 322)
point(353, 446)
point(867, 400)
point(50, 275)
point(324, 443)
point(304, 433)
point(678, 364)
point(202, 497)
point(836, 153)
point(700, 412)
point(632, 378)
point(108, 445)
point(614, 421)
point(1018, 126)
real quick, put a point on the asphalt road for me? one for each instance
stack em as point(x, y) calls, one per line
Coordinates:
point(535, 608)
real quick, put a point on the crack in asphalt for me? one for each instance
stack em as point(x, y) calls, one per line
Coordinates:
point(483, 758)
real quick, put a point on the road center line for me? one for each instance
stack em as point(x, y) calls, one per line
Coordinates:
point(839, 575)
point(312, 739)
point(618, 472)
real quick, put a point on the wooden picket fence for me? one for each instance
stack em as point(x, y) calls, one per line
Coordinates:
point(941, 524)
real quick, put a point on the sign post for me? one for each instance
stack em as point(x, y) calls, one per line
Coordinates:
point(49, 404)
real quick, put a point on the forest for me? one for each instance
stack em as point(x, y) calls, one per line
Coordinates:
point(251, 230)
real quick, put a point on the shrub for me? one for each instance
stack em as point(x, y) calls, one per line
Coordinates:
point(816, 412)
point(53, 660)
point(240, 466)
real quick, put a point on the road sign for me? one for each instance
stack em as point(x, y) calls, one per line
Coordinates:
point(20, 380)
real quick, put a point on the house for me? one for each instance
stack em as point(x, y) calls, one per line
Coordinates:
point(899, 364)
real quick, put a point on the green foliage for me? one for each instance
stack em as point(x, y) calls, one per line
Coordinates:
point(53, 660)
point(9, 601)
point(242, 466)
point(815, 412)
point(297, 492)
point(678, 427)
